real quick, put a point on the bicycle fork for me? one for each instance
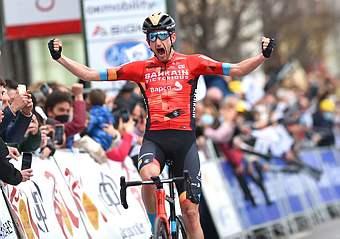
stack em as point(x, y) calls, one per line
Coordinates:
point(161, 198)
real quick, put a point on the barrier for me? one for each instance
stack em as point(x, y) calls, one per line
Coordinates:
point(71, 196)
point(7, 229)
point(63, 200)
point(292, 195)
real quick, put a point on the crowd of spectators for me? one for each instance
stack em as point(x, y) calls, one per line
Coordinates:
point(259, 115)
point(275, 117)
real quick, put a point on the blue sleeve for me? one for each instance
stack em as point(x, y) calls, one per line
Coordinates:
point(226, 68)
point(103, 75)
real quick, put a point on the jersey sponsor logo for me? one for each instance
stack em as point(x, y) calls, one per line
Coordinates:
point(167, 75)
point(160, 89)
point(194, 102)
point(178, 86)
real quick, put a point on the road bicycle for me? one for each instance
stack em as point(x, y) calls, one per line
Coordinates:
point(164, 227)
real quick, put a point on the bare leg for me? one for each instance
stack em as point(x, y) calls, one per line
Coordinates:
point(148, 191)
point(191, 218)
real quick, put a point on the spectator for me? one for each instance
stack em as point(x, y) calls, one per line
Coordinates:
point(99, 117)
point(223, 135)
point(127, 97)
point(32, 138)
point(8, 173)
point(17, 115)
point(122, 150)
point(323, 123)
point(59, 106)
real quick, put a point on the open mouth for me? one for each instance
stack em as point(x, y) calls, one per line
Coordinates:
point(160, 51)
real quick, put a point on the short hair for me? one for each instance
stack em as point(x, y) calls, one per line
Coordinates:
point(97, 97)
point(2, 82)
point(10, 84)
point(55, 98)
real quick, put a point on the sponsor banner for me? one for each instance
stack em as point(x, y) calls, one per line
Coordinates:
point(46, 17)
point(114, 33)
point(95, 190)
point(7, 228)
point(219, 200)
point(63, 201)
point(43, 206)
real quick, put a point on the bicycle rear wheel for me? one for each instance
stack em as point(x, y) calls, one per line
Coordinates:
point(180, 229)
point(160, 231)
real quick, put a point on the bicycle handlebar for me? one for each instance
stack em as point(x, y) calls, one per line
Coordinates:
point(124, 185)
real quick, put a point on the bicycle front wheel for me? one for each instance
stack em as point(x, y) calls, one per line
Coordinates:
point(180, 229)
point(160, 231)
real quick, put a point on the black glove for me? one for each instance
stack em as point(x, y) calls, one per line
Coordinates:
point(55, 54)
point(268, 51)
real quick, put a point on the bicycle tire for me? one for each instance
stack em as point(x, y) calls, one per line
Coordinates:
point(160, 230)
point(180, 228)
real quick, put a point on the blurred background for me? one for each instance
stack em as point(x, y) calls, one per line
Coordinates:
point(307, 32)
point(271, 138)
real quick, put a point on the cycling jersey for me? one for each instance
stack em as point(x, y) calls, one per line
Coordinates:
point(168, 88)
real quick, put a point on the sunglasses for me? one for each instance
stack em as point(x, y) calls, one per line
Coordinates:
point(163, 35)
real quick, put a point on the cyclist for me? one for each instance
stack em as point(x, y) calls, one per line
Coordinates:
point(168, 83)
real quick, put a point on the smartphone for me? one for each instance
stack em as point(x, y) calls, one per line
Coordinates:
point(21, 89)
point(59, 134)
point(26, 160)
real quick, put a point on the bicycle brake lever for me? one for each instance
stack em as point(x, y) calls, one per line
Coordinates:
point(123, 187)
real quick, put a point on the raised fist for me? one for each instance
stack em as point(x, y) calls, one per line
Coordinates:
point(55, 48)
point(267, 45)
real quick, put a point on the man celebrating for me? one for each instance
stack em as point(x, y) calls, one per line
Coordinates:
point(168, 83)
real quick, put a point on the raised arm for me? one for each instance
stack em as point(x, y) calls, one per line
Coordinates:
point(202, 65)
point(250, 64)
point(246, 66)
point(81, 71)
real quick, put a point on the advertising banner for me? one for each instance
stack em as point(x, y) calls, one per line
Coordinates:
point(95, 190)
point(43, 206)
point(63, 200)
point(221, 206)
point(114, 33)
point(45, 18)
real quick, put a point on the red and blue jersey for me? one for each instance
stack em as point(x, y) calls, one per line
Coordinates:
point(169, 89)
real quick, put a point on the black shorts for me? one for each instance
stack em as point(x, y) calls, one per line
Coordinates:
point(177, 146)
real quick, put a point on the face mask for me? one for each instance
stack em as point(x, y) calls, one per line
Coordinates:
point(328, 116)
point(207, 119)
point(62, 118)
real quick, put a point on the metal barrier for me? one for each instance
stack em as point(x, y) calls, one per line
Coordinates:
point(297, 199)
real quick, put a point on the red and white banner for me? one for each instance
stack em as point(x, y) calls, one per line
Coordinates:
point(63, 200)
point(35, 18)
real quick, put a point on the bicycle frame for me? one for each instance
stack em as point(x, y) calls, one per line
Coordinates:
point(160, 196)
